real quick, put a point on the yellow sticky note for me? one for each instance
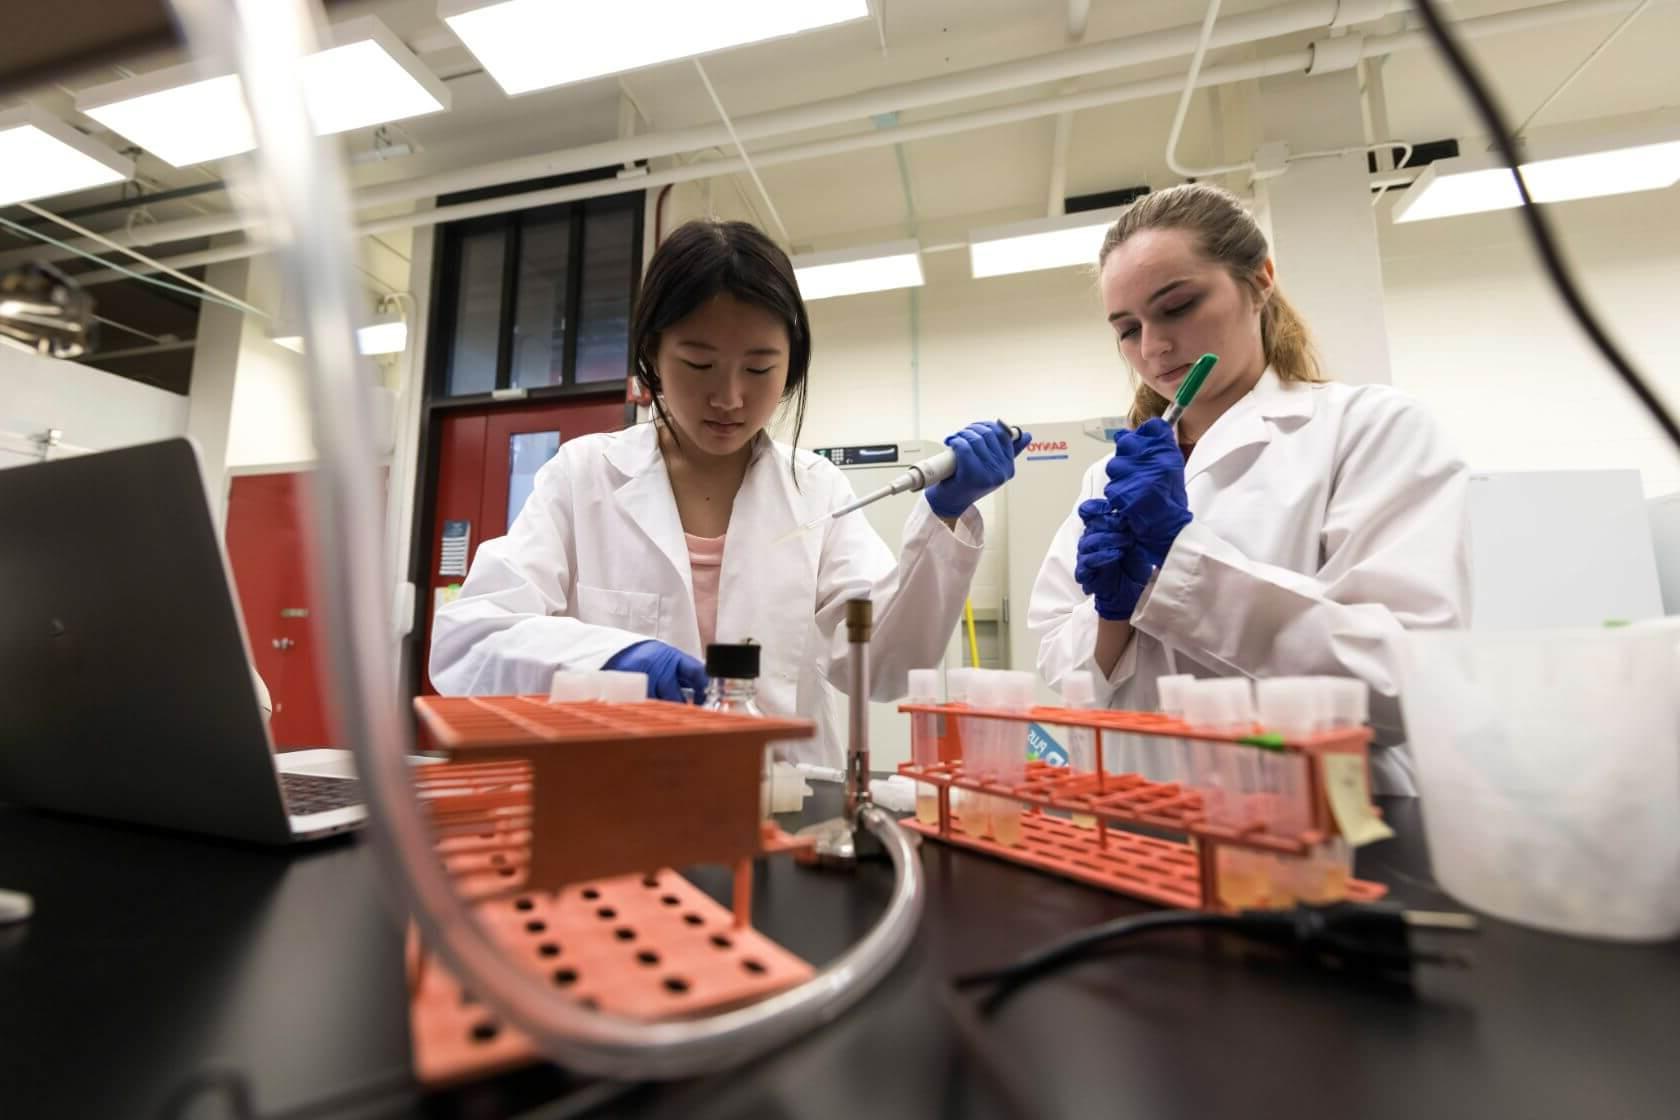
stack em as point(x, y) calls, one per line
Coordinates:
point(1350, 800)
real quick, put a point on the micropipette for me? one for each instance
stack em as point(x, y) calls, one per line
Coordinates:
point(1191, 386)
point(935, 468)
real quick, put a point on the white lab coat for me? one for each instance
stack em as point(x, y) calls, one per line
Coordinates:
point(1327, 519)
point(597, 561)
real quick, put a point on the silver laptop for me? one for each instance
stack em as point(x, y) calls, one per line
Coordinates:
point(125, 684)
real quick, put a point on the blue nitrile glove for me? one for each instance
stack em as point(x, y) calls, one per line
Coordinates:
point(985, 461)
point(1111, 568)
point(1146, 487)
point(669, 670)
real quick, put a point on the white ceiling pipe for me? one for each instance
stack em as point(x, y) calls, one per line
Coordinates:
point(1078, 18)
point(1070, 62)
point(1058, 165)
point(1291, 62)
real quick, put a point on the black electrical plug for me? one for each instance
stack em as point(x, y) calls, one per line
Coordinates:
point(1370, 940)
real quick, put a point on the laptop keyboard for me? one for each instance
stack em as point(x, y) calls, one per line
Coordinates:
point(311, 793)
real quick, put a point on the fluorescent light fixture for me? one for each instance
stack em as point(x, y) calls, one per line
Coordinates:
point(850, 272)
point(1571, 162)
point(368, 78)
point(387, 336)
point(1061, 242)
point(41, 156)
point(534, 44)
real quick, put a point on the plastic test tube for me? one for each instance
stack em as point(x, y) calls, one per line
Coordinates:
point(1155, 758)
point(1220, 704)
point(1080, 691)
point(960, 687)
point(1296, 708)
point(924, 740)
point(979, 757)
point(1014, 693)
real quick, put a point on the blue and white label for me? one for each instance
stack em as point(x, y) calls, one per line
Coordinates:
point(1044, 747)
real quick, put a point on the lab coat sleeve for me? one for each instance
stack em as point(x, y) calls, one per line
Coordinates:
point(512, 625)
point(1394, 556)
point(917, 600)
point(1063, 617)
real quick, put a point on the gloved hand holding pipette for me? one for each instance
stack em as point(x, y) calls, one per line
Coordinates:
point(983, 459)
point(976, 461)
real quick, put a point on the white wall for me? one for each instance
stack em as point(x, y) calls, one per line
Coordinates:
point(1475, 332)
point(94, 409)
point(269, 422)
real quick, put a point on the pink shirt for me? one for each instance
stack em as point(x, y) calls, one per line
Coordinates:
point(705, 559)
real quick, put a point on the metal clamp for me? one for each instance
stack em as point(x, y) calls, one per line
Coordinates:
point(1341, 52)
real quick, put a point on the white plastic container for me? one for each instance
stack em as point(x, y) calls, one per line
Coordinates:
point(614, 686)
point(1549, 763)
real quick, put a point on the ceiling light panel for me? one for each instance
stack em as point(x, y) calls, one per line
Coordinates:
point(850, 272)
point(535, 44)
point(41, 156)
point(1071, 241)
point(368, 78)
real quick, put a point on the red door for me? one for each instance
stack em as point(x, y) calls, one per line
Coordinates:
point(267, 548)
point(487, 462)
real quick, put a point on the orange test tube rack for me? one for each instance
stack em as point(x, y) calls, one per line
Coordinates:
point(559, 824)
point(1152, 840)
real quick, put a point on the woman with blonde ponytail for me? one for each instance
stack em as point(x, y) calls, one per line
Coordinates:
point(1290, 526)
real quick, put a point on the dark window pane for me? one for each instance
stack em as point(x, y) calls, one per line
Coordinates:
point(539, 322)
point(478, 314)
point(527, 452)
point(603, 352)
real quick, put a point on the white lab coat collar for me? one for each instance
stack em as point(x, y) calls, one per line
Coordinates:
point(766, 501)
point(1272, 405)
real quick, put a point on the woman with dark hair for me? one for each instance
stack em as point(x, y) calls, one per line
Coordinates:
point(639, 548)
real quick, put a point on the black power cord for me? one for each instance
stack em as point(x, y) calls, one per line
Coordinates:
point(1370, 940)
point(1539, 227)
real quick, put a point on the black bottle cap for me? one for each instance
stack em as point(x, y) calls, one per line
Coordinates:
point(732, 662)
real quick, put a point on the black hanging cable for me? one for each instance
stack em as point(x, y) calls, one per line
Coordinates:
point(1072, 948)
point(1539, 227)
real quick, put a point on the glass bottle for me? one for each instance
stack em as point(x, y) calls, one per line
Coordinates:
point(733, 671)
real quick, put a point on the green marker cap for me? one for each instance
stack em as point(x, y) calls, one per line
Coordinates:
point(1193, 380)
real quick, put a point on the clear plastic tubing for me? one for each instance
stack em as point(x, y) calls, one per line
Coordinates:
point(302, 200)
